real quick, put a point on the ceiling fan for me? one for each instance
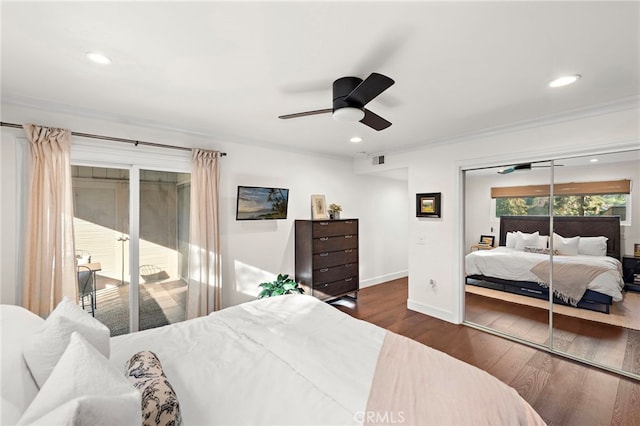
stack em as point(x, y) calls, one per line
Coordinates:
point(350, 95)
point(523, 166)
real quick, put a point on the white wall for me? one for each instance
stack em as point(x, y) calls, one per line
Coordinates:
point(438, 169)
point(251, 251)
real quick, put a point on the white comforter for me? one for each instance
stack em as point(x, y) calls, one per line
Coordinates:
point(295, 360)
point(285, 360)
point(515, 265)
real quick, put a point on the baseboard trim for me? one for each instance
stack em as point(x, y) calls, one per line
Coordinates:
point(431, 311)
point(383, 278)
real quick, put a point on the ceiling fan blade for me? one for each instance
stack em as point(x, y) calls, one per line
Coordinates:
point(374, 121)
point(371, 87)
point(304, 114)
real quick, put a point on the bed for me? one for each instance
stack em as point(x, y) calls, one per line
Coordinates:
point(286, 360)
point(587, 280)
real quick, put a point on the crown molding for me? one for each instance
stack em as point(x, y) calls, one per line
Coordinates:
point(605, 108)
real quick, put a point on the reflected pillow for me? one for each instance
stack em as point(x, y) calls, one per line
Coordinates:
point(523, 240)
point(565, 246)
point(593, 246)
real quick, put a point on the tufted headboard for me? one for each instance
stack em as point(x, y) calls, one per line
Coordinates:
point(567, 226)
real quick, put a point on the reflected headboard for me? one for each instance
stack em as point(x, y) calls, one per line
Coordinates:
point(567, 226)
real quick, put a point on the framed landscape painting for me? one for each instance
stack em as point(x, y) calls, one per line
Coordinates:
point(428, 205)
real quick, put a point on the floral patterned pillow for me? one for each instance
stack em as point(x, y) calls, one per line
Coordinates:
point(160, 404)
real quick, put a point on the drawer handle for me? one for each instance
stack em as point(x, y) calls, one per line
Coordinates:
point(324, 239)
point(324, 254)
point(324, 223)
point(348, 236)
point(323, 285)
point(348, 279)
point(324, 269)
point(532, 291)
point(348, 251)
point(348, 221)
point(348, 265)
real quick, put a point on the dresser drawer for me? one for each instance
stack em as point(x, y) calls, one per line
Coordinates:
point(330, 228)
point(334, 273)
point(327, 290)
point(326, 244)
point(333, 258)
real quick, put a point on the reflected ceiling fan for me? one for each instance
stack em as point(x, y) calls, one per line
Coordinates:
point(350, 95)
point(523, 166)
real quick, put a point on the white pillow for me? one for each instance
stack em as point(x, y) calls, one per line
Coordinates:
point(593, 246)
point(44, 348)
point(18, 388)
point(523, 240)
point(511, 240)
point(565, 246)
point(543, 241)
point(84, 389)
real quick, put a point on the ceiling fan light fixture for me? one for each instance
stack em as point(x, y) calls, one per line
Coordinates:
point(564, 80)
point(348, 114)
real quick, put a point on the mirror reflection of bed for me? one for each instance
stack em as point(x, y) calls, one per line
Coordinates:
point(509, 299)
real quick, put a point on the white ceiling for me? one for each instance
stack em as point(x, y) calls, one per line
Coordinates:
point(228, 69)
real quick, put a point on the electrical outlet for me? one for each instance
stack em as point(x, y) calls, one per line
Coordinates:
point(420, 239)
point(432, 282)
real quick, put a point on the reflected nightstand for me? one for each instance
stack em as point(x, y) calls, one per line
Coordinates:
point(631, 272)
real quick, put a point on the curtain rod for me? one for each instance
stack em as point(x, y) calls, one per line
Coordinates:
point(114, 139)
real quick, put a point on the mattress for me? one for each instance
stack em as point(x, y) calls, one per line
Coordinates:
point(516, 265)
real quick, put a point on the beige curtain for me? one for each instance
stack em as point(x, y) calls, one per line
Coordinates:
point(204, 289)
point(49, 267)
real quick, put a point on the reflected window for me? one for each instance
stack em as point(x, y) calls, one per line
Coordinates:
point(568, 205)
point(604, 198)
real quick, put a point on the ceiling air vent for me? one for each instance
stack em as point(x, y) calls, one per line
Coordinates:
point(378, 159)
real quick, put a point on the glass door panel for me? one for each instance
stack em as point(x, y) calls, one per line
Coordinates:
point(101, 227)
point(164, 236)
point(608, 339)
point(496, 296)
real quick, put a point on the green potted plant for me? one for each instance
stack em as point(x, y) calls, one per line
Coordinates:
point(282, 285)
point(334, 211)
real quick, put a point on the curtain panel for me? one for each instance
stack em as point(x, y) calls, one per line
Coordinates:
point(205, 281)
point(49, 266)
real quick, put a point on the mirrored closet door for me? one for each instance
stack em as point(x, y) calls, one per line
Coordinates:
point(559, 245)
point(604, 328)
point(501, 292)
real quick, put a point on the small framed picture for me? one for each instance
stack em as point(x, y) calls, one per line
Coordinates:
point(636, 249)
point(319, 207)
point(428, 205)
point(487, 240)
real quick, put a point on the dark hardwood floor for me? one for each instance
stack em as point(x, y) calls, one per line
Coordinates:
point(563, 392)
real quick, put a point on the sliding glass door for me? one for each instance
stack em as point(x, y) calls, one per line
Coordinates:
point(106, 201)
point(101, 229)
point(164, 225)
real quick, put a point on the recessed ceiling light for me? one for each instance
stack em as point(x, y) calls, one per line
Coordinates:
point(98, 58)
point(564, 80)
point(594, 160)
point(356, 139)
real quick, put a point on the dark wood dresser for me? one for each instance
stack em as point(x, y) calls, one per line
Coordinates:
point(327, 257)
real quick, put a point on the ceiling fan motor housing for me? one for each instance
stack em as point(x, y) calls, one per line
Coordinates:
point(341, 88)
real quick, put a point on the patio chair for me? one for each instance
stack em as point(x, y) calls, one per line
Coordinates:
point(86, 287)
